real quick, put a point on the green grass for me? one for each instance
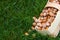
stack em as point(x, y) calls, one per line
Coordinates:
point(16, 19)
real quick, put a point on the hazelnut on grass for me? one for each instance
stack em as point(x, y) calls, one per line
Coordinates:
point(33, 28)
point(34, 24)
point(26, 33)
point(39, 28)
point(34, 18)
point(41, 14)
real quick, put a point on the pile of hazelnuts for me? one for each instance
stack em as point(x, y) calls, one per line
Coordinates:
point(46, 18)
point(55, 1)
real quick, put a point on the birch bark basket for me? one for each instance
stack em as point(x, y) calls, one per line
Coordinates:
point(53, 28)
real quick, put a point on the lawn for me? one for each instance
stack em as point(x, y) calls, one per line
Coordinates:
point(16, 19)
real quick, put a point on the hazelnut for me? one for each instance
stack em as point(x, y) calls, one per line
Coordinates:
point(57, 2)
point(41, 14)
point(45, 18)
point(39, 24)
point(48, 17)
point(48, 24)
point(46, 28)
point(44, 24)
point(45, 11)
point(52, 18)
point(34, 24)
point(44, 14)
point(26, 33)
point(32, 27)
point(55, 9)
point(44, 21)
point(34, 18)
point(51, 14)
point(49, 9)
point(39, 28)
point(51, 0)
point(41, 18)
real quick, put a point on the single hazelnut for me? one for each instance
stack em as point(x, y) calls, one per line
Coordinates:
point(34, 24)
